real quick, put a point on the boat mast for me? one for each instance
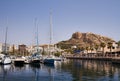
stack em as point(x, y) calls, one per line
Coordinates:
point(36, 34)
point(50, 43)
point(50, 27)
point(5, 50)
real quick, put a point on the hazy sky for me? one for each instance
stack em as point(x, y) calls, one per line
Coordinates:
point(68, 16)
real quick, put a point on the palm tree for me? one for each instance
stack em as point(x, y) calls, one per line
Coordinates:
point(103, 46)
point(96, 47)
point(87, 48)
point(118, 43)
point(110, 46)
point(91, 48)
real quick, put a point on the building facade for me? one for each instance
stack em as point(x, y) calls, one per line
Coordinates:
point(22, 49)
point(4, 47)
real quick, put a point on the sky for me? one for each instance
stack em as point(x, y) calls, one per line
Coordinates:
point(68, 16)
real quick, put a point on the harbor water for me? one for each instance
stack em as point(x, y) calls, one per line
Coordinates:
point(68, 70)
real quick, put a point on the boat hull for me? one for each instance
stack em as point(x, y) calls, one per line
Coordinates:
point(35, 62)
point(19, 63)
point(6, 60)
point(48, 61)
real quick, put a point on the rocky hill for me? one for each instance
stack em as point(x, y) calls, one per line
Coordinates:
point(84, 39)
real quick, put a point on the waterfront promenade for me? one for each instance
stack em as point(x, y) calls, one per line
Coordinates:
point(112, 58)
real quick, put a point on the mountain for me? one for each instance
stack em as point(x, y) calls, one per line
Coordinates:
point(84, 39)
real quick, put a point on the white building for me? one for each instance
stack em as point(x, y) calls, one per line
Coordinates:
point(4, 48)
point(34, 49)
point(106, 49)
point(44, 48)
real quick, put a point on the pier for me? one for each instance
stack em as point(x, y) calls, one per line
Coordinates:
point(116, 60)
point(113, 59)
point(91, 58)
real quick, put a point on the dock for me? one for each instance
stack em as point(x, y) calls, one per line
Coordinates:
point(116, 60)
point(91, 58)
point(112, 59)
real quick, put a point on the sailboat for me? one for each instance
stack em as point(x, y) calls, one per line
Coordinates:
point(35, 57)
point(5, 58)
point(49, 59)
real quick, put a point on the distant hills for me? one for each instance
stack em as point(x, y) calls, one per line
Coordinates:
point(84, 39)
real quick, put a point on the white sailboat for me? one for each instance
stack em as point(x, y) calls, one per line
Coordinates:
point(35, 57)
point(49, 59)
point(5, 58)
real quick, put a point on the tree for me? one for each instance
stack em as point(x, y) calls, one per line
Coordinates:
point(103, 46)
point(110, 46)
point(96, 47)
point(82, 48)
point(118, 43)
point(57, 54)
point(87, 48)
point(91, 48)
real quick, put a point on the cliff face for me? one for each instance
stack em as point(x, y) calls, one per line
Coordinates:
point(85, 39)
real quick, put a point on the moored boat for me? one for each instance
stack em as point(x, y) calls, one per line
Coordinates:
point(5, 59)
point(48, 60)
point(19, 60)
point(35, 58)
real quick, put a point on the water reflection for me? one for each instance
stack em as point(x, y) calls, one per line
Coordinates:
point(88, 70)
point(69, 70)
point(35, 68)
point(4, 69)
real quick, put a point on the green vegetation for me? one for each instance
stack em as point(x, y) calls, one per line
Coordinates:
point(64, 46)
point(96, 47)
point(118, 43)
point(103, 46)
point(110, 46)
point(57, 54)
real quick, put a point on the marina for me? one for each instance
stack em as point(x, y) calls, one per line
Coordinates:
point(68, 70)
point(59, 40)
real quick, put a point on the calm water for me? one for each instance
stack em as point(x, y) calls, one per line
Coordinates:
point(69, 70)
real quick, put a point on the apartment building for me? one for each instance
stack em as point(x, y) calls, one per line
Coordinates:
point(4, 47)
